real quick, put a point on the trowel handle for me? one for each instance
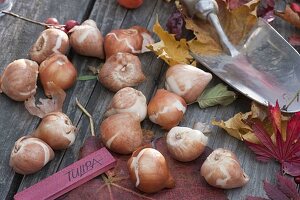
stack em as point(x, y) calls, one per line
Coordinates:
point(207, 10)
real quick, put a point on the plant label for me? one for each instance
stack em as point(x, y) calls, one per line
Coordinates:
point(70, 177)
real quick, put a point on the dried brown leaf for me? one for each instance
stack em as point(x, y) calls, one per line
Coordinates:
point(236, 23)
point(237, 127)
point(47, 105)
point(148, 136)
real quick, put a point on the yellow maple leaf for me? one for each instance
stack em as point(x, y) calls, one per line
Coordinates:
point(169, 49)
point(235, 126)
point(236, 23)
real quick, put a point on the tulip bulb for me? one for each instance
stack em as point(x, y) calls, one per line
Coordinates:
point(222, 169)
point(122, 133)
point(29, 155)
point(187, 81)
point(128, 100)
point(50, 41)
point(18, 81)
point(149, 171)
point(121, 70)
point(87, 39)
point(57, 69)
point(185, 144)
point(166, 109)
point(123, 40)
point(56, 130)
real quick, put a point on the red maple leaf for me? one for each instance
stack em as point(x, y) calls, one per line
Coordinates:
point(285, 150)
point(285, 189)
point(117, 185)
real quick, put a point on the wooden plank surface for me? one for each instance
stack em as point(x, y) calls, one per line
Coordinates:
point(17, 36)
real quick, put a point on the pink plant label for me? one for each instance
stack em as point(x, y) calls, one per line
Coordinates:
point(70, 177)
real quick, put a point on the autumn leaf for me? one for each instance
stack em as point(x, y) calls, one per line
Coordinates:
point(169, 49)
point(265, 10)
point(233, 4)
point(290, 16)
point(283, 148)
point(117, 185)
point(217, 95)
point(285, 188)
point(236, 23)
point(47, 105)
point(175, 24)
point(238, 128)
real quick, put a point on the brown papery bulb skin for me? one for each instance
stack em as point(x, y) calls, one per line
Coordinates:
point(187, 81)
point(122, 133)
point(121, 70)
point(18, 80)
point(57, 69)
point(149, 171)
point(86, 39)
point(166, 109)
point(29, 155)
point(147, 38)
point(123, 40)
point(222, 169)
point(128, 100)
point(56, 130)
point(50, 41)
point(185, 144)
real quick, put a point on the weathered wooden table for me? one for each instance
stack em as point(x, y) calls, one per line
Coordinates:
point(16, 38)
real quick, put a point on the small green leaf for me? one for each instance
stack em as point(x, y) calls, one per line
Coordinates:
point(216, 95)
point(86, 78)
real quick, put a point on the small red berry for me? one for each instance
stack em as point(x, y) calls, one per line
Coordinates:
point(52, 21)
point(295, 7)
point(130, 4)
point(70, 24)
point(297, 179)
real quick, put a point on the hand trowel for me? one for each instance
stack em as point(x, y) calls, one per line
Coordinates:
point(264, 67)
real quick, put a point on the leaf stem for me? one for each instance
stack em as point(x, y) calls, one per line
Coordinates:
point(88, 114)
point(87, 78)
point(30, 20)
point(296, 97)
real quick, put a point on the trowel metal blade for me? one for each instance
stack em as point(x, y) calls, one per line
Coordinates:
point(267, 69)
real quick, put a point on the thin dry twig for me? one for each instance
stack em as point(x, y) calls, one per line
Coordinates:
point(31, 20)
point(88, 114)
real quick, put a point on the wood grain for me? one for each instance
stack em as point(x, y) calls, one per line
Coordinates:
point(16, 38)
